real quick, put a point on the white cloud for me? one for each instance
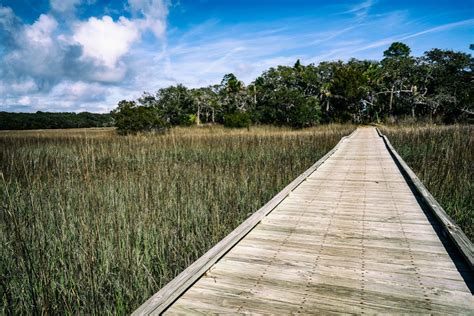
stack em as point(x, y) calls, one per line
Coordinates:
point(152, 15)
point(40, 32)
point(55, 66)
point(25, 100)
point(79, 92)
point(34, 51)
point(105, 40)
point(18, 87)
point(64, 6)
point(7, 20)
point(440, 28)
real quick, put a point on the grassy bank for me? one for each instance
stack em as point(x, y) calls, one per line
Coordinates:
point(95, 223)
point(442, 157)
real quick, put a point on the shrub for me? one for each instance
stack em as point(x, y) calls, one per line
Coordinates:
point(237, 120)
point(188, 120)
point(131, 118)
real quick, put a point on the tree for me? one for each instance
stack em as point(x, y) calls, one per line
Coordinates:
point(397, 69)
point(131, 118)
point(234, 95)
point(436, 85)
point(286, 97)
point(176, 104)
point(298, 65)
point(348, 89)
point(215, 106)
point(45, 120)
point(450, 86)
point(205, 104)
point(398, 51)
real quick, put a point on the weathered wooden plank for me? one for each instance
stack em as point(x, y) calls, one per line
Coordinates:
point(326, 294)
point(303, 260)
point(358, 242)
point(296, 279)
point(162, 299)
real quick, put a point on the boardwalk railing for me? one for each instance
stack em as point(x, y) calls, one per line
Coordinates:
point(453, 231)
point(160, 301)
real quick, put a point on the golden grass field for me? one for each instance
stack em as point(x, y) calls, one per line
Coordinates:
point(93, 222)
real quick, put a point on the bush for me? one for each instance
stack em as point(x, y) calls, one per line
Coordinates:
point(187, 119)
point(131, 118)
point(237, 120)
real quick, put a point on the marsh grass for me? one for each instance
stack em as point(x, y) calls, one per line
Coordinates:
point(443, 158)
point(94, 223)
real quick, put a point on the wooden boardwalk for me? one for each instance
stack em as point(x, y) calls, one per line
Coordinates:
point(351, 238)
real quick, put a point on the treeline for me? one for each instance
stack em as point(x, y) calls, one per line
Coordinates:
point(46, 120)
point(437, 86)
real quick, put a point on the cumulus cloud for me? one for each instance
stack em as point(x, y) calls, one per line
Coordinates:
point(40, 33)
point(38, 57)
point(60, 59)
point(32, 50)
point(41, 59)
point(105, 40)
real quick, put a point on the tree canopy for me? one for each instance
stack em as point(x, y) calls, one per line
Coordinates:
point(437, 86)
point(46, 120)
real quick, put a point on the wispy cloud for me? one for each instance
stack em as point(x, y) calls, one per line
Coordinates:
point(386, 41)
point(440, 28)
point(361, 10)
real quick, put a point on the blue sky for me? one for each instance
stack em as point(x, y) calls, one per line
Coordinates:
point(86, 55)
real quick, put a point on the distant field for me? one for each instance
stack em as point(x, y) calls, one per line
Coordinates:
point(91, 222)
point(443, 159)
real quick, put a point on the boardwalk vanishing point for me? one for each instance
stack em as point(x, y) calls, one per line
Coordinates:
point(356, 233)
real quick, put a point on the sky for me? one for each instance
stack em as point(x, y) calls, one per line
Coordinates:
point(86, 55)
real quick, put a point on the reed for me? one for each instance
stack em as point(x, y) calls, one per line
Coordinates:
point(94, 223)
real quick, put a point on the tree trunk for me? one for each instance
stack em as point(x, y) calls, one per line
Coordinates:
point(391, 99)
point(254, 95)
point(198, 115)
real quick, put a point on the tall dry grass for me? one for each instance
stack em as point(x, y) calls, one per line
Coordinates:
point(443, 158)
point(93, 223)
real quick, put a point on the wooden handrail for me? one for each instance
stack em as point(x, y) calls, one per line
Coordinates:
point(450, 227)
